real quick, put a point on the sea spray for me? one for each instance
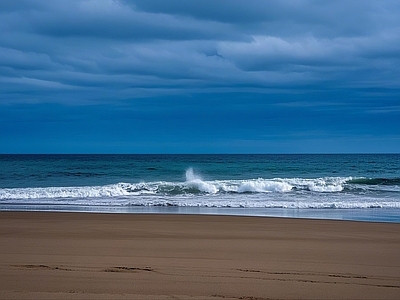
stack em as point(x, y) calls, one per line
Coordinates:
point(230, 181)
point(195, 181)
point(195, 185)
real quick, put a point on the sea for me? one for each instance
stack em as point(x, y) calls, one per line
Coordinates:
point(359, 187)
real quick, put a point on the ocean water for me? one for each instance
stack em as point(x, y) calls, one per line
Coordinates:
point(354, 187)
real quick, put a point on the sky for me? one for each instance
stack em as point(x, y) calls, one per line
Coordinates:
point(227, 76)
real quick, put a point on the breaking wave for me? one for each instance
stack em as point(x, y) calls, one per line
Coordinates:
point(327, 192)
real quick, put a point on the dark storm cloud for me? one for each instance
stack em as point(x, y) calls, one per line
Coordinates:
point(287, 69)
point(322, 18)
point(200, 42)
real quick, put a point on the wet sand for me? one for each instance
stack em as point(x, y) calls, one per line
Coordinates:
point(142, 256)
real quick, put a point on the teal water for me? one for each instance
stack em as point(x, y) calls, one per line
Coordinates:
point(350, 186)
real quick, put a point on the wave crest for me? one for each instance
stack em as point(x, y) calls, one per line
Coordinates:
point(196, 185)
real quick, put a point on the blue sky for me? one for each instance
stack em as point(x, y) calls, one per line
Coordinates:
point(125, 76)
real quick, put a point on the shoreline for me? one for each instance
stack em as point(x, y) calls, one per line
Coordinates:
point(379, 215)
point(56, 255)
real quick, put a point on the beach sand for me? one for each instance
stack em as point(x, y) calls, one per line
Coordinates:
point(58, 255)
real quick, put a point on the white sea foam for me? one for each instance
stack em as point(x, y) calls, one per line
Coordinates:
point(323, 185)
point(262, 186)
point(113, 190)
point(328, 192)
point(193, 185)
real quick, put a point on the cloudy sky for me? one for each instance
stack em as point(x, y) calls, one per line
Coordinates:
point(199, 76)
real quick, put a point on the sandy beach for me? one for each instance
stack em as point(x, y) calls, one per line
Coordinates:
point(140, 256)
